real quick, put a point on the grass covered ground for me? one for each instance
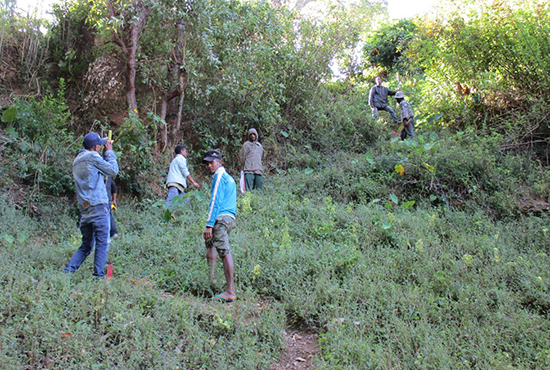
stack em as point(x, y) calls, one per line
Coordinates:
point(339, 250)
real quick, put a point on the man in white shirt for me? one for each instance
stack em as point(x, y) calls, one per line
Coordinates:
point(178, 174)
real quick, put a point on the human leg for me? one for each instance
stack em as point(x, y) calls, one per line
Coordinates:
point(211, 258)
point(258, 182)
point(392, 113)
point(85, 247)
point(410, 129)
point(102, 226)
point(228, 271)
point(249, 181)
point(375, 113)
point(220, 240)
point(172, 192)
point(113, 232)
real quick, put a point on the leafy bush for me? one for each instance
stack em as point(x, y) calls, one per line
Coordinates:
point(387, 45)
point(38, 143)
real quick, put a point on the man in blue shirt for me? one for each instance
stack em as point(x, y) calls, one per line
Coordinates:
point(220, 222)
point(89, 171)
point(178, 174)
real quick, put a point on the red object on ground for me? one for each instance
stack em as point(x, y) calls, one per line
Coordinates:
point(109, 271)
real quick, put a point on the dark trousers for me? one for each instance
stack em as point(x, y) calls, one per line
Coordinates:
point(253, 181)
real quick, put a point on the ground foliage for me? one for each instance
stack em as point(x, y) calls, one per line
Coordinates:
point(386, 286)
point(424, 253)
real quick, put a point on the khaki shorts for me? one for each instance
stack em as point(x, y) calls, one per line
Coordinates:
point(220, 235)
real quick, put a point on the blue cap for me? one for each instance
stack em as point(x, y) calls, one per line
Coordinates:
point(92, 139)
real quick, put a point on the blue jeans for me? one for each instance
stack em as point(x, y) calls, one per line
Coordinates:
point(95, 227)
point(388, 109)
point(408, 130)
point(172, 192)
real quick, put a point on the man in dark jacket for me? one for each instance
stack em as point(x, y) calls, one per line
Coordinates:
point(112, 193)
point(378, 99)
point(251, 159)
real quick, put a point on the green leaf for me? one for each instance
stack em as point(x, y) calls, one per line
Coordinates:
point(22, 237)
point(308, 171)
point(386, 226)
point(407, 205)
point(429, 167)
point(167, 215)
point(10, 131)
point(394, 198)
point(399, 169)
point(433, 197)
point(434, 118)
point(429, 146)
point(7, 238)
point(284, 133)
point(369, 158)
point(9, 115)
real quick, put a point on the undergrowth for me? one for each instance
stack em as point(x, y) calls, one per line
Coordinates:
point(384, 285)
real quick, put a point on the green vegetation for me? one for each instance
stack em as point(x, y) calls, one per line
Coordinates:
point(428, 253)
point(386, 286)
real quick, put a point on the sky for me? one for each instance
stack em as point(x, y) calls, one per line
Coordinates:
point(408, 8)
point(397, 8)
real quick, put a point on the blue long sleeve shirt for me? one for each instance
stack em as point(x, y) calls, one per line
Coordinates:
point(223, 196)
point(89, 171)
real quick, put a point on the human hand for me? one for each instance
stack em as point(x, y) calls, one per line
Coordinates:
point(109, 145)
point(207, 233)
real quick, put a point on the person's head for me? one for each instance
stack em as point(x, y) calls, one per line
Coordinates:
point(93, 142)
point(399, 96)
point(378, 81)
point(181, 149)
point(213, 160)
point(252, 134)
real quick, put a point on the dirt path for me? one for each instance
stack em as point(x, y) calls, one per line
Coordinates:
point(301, 347)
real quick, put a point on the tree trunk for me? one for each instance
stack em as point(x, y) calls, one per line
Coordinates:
point(129, 49)
point(182, 45)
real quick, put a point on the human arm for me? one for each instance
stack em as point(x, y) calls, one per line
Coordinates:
point(371, 98)
point(107, 164)
point(216, 199)
point(113, 193)
point(242, 154)
point(182, 163)
point(195, 184)
point(207, 233)
point(114, 203)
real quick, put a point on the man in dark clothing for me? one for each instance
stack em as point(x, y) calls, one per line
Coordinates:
point(112, 193)
point(251, 159)
point(407, 116)
point(378, 99)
